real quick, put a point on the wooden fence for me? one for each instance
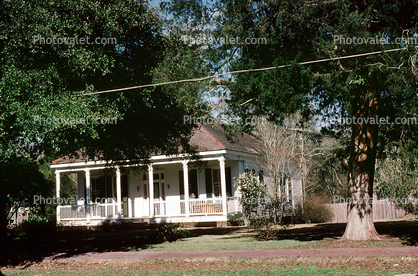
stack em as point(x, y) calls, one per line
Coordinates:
point(382, 209)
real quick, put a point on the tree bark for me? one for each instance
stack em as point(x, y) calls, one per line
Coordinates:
point(361, 166)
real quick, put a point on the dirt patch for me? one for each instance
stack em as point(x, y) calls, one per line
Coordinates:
point(381, 264)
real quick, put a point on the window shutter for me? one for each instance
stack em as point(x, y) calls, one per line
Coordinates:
point(193, 183)
point(124, 184)
point(181, 184)
point(108, 188)
point(208, 181)
point(228, 181)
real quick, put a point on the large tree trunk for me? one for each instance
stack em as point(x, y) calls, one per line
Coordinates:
point(361, 165)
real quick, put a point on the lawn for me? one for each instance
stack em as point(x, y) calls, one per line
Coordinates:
point(26, 255)
point(304, 236)
point(396, 233)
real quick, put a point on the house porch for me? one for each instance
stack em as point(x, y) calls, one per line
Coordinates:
point(169, 192)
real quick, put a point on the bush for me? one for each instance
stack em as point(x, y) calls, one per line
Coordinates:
point(235, 219)
point(113, 225)
point(313, 210)
point(107, 226)
point(37, 226)
point(261, 210)
point(169, 232)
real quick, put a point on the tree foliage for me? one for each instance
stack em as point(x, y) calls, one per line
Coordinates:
point(43, 85)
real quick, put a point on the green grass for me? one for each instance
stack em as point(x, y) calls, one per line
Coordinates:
point(210, 242)
point(244, 239)
point(402, 233)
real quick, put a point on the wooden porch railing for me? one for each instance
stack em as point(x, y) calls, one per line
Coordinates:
point(209, 206)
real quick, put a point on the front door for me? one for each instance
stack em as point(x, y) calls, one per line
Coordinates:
point(159, 198)
point(159, 190)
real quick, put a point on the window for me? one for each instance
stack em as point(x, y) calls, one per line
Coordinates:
point(158, 185)
point(97, 189)
point(145, 191)
point(159, 190)
point(247, 170)
point(213, 182)
point(261, 176)
point(208, 183)
point(193, 191)
point(103, 188)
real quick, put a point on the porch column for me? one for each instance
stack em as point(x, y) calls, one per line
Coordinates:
point(151, 190)
point(186, 186)
point(88, 202)
point(118, 193)
point(223, 184)
point(58, 188)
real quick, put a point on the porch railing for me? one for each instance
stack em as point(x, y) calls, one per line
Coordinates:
point(205, 206)
point(208, 206)
point(96, 210)
point(233, 205)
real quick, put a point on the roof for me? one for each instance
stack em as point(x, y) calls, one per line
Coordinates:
point(213, 137)
point(206, 138)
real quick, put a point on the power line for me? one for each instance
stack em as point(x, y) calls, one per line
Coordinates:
point(241, 71)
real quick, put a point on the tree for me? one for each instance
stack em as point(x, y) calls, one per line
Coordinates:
point(324, 172)
point(363, 87)
point(44, 109)
point(21, 179)
point(279, 145)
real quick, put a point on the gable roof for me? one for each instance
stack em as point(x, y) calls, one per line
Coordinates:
point(212, 137)
point(206, 138)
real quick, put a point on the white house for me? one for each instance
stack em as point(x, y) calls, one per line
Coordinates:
point(171, 190)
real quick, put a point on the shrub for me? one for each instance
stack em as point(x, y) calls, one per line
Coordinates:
point(107, 226)
point(261, 210)
point(37, 226)
point(313, 210)
point(235, 219)
point(113, 225)
point(169, 232)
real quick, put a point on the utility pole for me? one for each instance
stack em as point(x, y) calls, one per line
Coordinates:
point(303, 169)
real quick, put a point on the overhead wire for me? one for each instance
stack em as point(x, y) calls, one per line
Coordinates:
point(240, 71)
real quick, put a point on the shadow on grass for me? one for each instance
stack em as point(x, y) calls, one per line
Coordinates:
point(195, 232)
point(405, 230)
point(18, 250)
point(316, 232)
point(22, 249)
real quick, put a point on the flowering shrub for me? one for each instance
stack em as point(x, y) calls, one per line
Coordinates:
point(257, 205)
